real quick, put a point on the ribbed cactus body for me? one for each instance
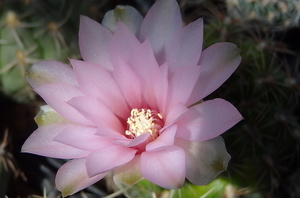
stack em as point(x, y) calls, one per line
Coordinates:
point(264, 145)
point(29, 34)
point(278, 14)
point(216, 189)
point(17, 52)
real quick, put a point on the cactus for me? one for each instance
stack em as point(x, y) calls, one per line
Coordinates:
point(29, 35)
point(265, 90)
point(217, 188)
point(277, 14)
point(8, 166)
point(17, 53)
point(4, 172)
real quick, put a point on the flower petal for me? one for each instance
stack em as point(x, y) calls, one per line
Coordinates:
point(94, 42)
point(139, 140)
point(41, 142)
point(175, 111)
point(96, 81)
point(48, 72)
point(166, 138)
point(161, 22)
point(72, 177)
point(109, 133)
point(128, 82)
point(186, 46)
point(145, 66)
point(160, 86)
point(56, 95)
point(94, 110)
point(123, 43)
point(182, 84)
point(83, 138)
point(129, 173)
point(217, 63)
point(204, 160)
point(165, 167)
point(207, 120)
point(108, 158)
point(127, 14)
point(48, 115)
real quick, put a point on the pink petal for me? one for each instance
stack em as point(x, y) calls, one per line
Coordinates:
point(129, 173)
point(96, 81)
point(207, 120)
point(56, 95)
point(72, 177)
point(161, 22)
point(217, 63)
point(92, 109)
point(94, 42)
point(48, 72)
point(41, 142)
point(175, 111)
point(122, 142)
point(145, 66)
point(123, 43)
point(160, 86)
point(139, 140)
point(129, 83)
point(83, 138)
point(165, 167)
point(182, 84)
point(186, 46)
point(127, 14)
point(108, 158)
point(204, 160)
point(165, 139)
point(106, 132)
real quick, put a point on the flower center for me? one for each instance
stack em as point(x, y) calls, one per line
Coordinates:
point(144, 121)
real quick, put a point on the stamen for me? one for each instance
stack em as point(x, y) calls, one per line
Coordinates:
point(144, 121)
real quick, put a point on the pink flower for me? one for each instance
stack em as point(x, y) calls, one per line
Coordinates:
point(131, 106)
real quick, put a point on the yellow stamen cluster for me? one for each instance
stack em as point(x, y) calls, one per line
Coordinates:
point(144, 121)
